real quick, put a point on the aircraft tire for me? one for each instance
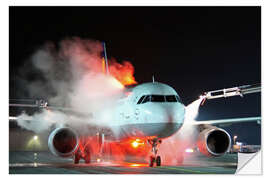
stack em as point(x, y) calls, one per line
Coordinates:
point(151, 161)
point(77, 158)
point(87, 159)
point(158, 161)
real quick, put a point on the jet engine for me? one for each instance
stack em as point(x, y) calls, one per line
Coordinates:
point(213, 141)
point(63, 142)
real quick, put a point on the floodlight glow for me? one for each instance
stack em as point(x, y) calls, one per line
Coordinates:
point(189, 150)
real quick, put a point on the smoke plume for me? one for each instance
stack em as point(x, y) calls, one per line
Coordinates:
point(185, 138)
point(70, 75)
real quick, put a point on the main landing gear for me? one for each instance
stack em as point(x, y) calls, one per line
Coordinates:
point(86, 155)
point(154, 158)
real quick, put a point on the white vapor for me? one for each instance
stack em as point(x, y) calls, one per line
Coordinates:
point(183, 139)
point(70, 75)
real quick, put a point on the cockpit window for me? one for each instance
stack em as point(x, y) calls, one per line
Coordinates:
point(146, 99)
point(178, 99)
point(157, 98)
point(171, 98)
point(140, 100)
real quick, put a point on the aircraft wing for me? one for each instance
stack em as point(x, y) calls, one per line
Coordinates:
point(229, 121)
point(12, 118)
point(42, 104)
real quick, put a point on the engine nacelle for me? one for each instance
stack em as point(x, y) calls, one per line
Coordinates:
point(63, 142)
point(214, 142)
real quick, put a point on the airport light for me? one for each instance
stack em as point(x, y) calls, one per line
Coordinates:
point(234, 139)
point(33, 143)
point(35, 137)
point(189, 150)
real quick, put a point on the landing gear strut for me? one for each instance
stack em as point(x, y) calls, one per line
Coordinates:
point(86, 156)
point(83, 154)
point(154, 158)
point(77, 157)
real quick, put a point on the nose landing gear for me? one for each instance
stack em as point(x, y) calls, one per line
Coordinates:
point(154, 158)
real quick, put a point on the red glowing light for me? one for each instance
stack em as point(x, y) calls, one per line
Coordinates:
point(134, 165)
point(138, 165)
point(135, 144)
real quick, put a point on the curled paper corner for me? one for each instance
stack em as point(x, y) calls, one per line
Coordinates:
point(249, 163)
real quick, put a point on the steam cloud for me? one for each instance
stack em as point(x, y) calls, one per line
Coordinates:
point(70, 75)
point(185, 138)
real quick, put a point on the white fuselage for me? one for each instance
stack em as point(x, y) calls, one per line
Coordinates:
point(150, 109)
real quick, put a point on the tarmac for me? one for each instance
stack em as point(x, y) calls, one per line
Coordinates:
point(25, 162)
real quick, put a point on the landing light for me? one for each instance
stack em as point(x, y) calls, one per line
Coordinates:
point(135, 144)
point(189, 150)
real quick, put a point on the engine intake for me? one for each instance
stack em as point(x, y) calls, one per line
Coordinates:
point(214, 142)
point(63, 142)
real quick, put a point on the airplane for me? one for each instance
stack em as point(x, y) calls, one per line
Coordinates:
point(150, 112)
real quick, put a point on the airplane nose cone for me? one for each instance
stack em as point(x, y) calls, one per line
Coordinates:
point(169, 114)
point(165, 120)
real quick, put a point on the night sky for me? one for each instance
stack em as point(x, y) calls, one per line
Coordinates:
point(193, 49)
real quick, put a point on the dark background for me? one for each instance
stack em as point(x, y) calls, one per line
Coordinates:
point(193, 49)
